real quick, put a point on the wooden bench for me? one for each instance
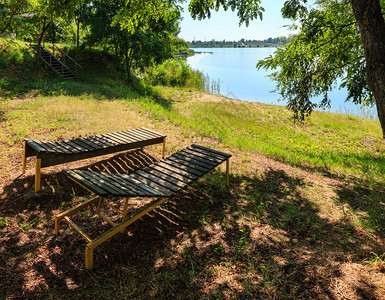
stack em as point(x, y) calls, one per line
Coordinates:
point(160, 180)
point(59, 152)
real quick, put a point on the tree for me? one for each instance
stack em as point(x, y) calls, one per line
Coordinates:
point(367, 24)
point(135, 33)
point(371, 24)
point(338, 40)
point(8, 10)
point(327, 49)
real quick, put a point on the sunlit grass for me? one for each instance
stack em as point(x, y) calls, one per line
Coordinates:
point(335, 143)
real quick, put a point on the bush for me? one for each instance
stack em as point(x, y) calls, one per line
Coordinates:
point(175, 72)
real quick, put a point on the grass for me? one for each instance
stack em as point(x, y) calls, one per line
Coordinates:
point(303, 218)
point(334, 143)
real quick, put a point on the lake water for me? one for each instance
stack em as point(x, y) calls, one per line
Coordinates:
point(239, 79)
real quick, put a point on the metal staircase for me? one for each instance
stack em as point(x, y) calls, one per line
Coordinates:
point(57, 63)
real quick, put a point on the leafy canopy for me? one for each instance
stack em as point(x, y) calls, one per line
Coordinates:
point(326, 53)
point(247, 10)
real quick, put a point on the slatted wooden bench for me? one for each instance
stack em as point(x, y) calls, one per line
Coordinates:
point(160, 181)
point(59, 152)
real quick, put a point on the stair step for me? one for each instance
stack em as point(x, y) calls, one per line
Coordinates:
point(55, 63)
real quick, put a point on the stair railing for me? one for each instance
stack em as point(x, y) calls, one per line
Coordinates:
point(69, 57)
point(52, 57)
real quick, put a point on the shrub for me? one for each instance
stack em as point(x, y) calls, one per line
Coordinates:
point(175, 72)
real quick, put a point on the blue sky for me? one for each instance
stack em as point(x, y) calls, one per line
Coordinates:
point(224, 25)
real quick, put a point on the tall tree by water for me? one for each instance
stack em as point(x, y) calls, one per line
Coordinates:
point(338, 40)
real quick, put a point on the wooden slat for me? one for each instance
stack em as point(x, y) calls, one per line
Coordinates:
point(95, 142)
point(143, 134)
point(163, 176)
point(159, 181)
point(156, 187)
point(85, 182)
point(47, 147)
point(88, 175)
point(136, 190)
point(183, 168)
point(131, 136)
point(115, 138)
point(102, 141)
point(168, 172)
point(104, 183)
point(90, 143)
point(177, 170)
point(156, 134)
point(34, 145)
point(69, 148)
point(196, 160)
point(202, 155)
point(58, 148)
point(74, 145)
point(141, 185)
point(122, 189)
point(125, 137)
point(212, 150)
point(188, 163)
point(83, 144)
point(201, 158)
point(208, 155)
point(138, 135)
point(153, 184)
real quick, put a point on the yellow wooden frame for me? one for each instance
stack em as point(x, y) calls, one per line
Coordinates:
point(116, 228)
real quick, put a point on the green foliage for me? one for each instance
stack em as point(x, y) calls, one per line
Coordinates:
point(149, 39)
point(327, 52)
point(270, 42)
point(175, 72)
point(247, 10)
point(3, 222)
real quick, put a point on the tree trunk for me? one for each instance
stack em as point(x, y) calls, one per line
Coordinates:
point(77, 33)
point(44, 28)
point(128, 64)
point(372, 29)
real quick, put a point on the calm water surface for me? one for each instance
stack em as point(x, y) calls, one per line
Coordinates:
point(239, 79)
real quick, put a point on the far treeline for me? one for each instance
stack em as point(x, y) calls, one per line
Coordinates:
point(270, 42)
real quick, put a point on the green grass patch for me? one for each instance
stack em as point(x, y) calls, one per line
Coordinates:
point(334, 143)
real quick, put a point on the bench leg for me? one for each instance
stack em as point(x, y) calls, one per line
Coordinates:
point(89, 258)
point(57, 225)
point(125, 211)
point(24, 159)
point(164, 147)
point(227, 173)
point(37, 174)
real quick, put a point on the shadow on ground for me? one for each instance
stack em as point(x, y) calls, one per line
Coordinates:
point(264, 238)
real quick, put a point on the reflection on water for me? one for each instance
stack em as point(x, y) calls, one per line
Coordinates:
point(234, 69)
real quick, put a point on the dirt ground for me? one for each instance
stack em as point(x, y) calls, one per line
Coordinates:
point(279, 232)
